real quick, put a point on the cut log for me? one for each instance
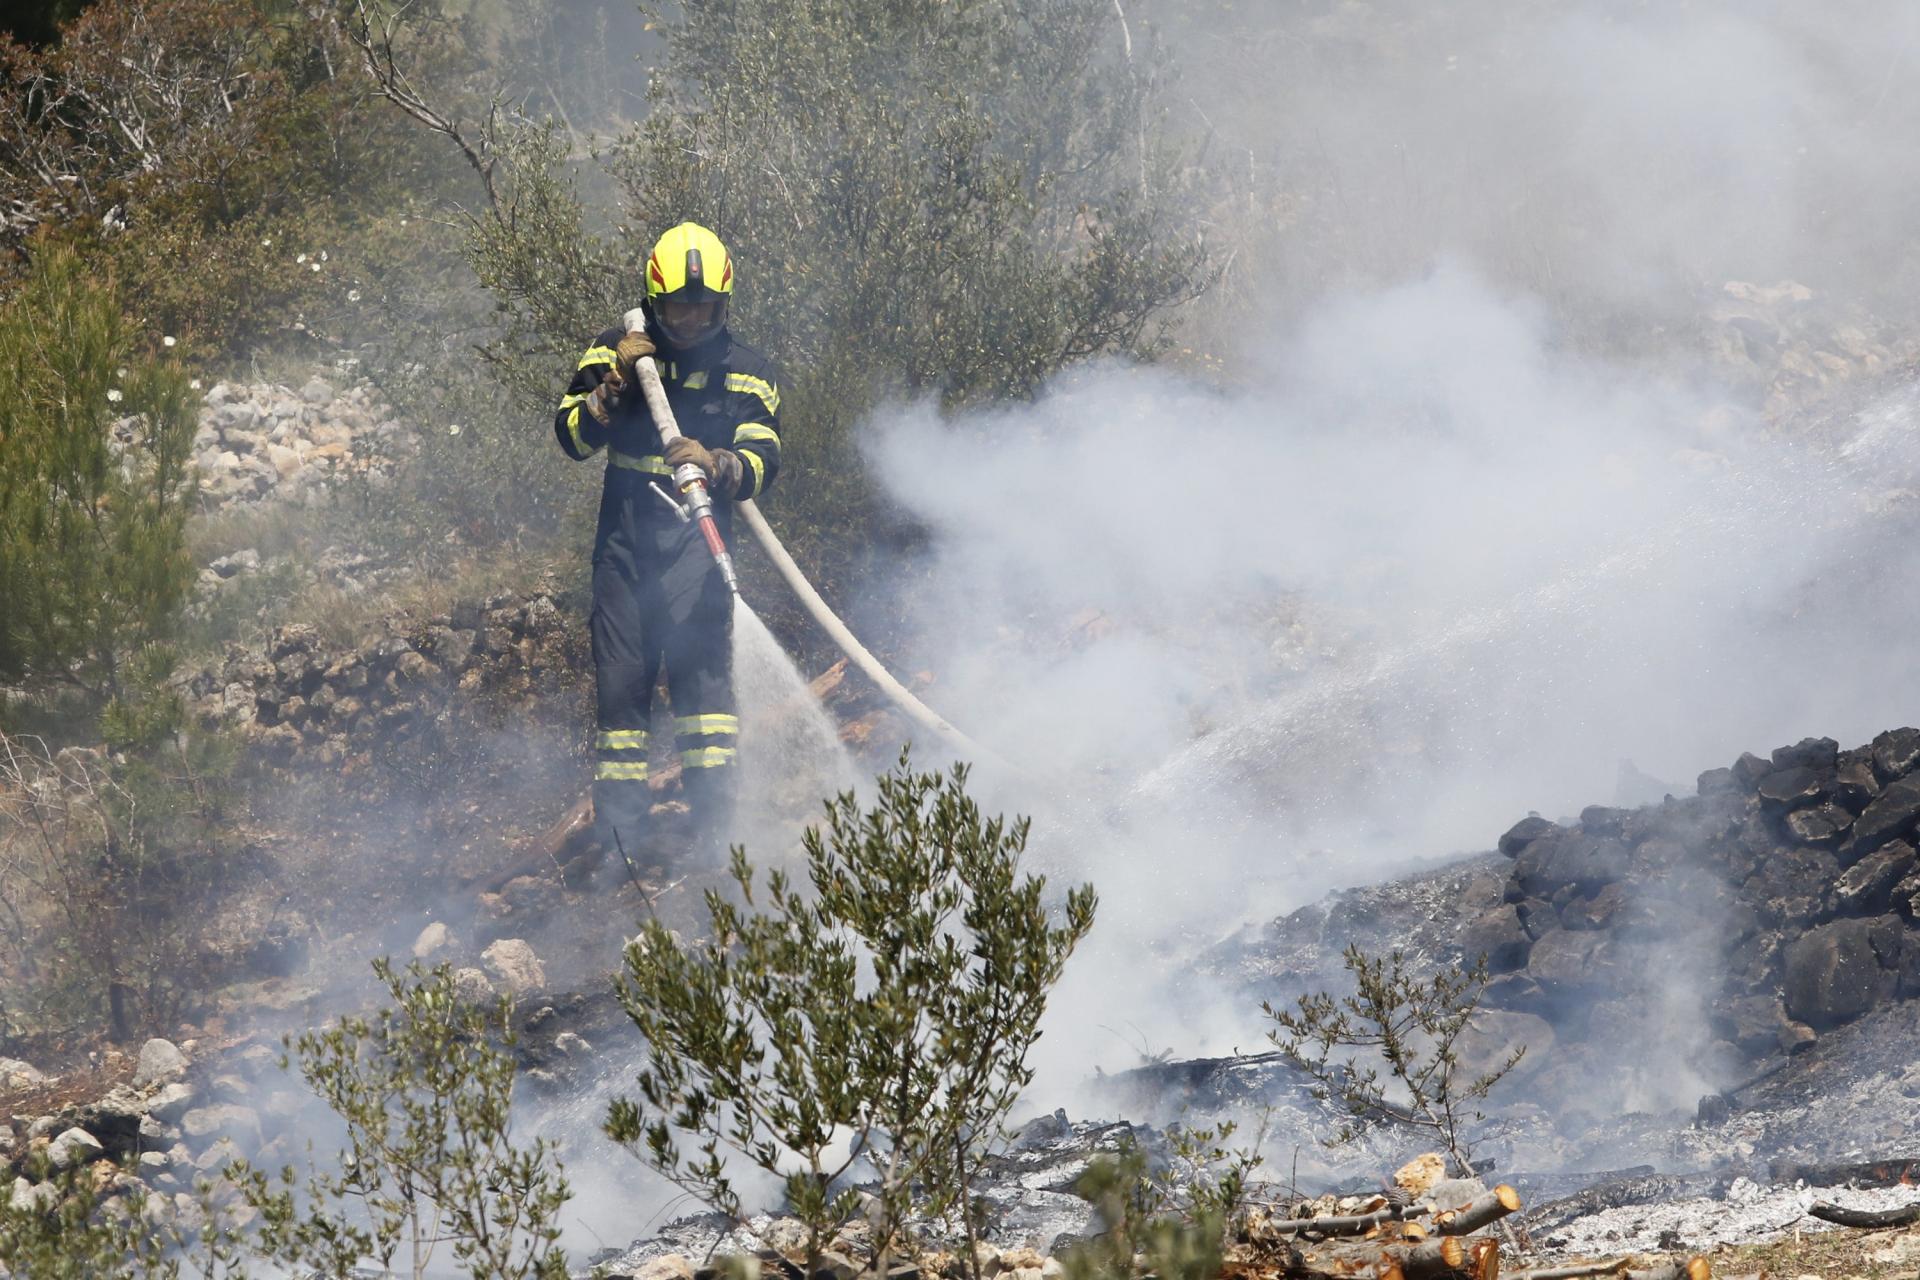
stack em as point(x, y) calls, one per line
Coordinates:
point(1441, 1258)
point(1481, 1211)
point(1483, 1259)
point(1357, 1224)
point(1843, 1216)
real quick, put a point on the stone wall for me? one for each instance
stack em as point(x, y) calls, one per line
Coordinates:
point(303, 700)
point(1784, 895)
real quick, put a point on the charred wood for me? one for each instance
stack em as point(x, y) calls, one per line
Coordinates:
point(1357, 1224)
point(1891, 1172)
point(1845, 1217)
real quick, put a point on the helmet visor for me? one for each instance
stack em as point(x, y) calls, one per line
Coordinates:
point(690, 322)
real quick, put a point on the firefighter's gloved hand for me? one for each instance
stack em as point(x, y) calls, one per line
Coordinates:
point(603, 400)
point(727, 470)
point(633, 348)
point(684, 450)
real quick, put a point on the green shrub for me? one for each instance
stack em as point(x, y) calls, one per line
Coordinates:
point(951, 199)
point(1389, 1053)
point(426, 1089)
point(94, 485)
point(1175, 1213)
point(893, 1005)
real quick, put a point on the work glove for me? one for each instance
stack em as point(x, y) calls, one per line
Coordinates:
point(633, 348)
point(685, 449)
point(727, 472)
point(603, 400)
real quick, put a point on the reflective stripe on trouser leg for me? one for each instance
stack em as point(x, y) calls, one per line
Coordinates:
point(626, 633)
point(699, 656)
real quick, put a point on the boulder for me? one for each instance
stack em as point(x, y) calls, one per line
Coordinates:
point(1749, 769)
point(1866, 888)
point(1570, 858)
point(1563, 960)
point(472, 986)
point(172, 1102)
point(75, 1146)
point(1834, 974)
point(1819, 754)
point(1498, 935)
point(15, 1074)
point(1855, 786)
point(513, 963)
point(670, 1266)
point(1791, 788)
point(203, 1125)
point(1822, 827)
point(160, 1061)
point(1895, 753)
point(435, 937)
point(317, 392)
point(1891, 815)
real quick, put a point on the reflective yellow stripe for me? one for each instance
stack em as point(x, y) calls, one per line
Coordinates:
point(621, 770)
point(652, 463)
point(752, 459)
point(707, 724)
point(696, 381)
point(755, 431)
point(573, 430)
point(768, 393)
point(598, 355)
point(621, 739)
point(707, 757)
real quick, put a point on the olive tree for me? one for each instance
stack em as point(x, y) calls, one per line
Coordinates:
point(885, 1010)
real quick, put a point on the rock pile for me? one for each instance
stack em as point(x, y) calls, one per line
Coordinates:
point(173, 1123)
point(1780, 901)
point(1785, 342)
point(304, 700)
point(262, 440)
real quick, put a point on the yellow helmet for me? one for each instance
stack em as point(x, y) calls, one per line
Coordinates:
point(689, 280)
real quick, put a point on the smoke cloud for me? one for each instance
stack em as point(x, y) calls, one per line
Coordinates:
point(1485, 509)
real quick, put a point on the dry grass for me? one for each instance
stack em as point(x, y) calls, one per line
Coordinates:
point(1827, 1255)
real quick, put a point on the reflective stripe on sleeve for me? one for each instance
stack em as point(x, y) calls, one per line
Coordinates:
point(768, 393)
point(598, 355)
point(756, 431)
point(651, 463)
point(752, 459)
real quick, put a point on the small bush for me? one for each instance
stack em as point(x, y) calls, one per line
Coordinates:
point(426, 1090)
point(1404, 1026)
point(1174, 1213)
point(889, 1012)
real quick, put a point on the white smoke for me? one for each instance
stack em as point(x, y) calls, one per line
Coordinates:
point(1427, 570)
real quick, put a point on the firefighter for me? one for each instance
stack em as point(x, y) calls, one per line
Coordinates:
point(657, 595)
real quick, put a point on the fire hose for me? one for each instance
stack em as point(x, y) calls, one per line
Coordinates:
point(696, 505)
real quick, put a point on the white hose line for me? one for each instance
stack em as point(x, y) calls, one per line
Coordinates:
point(902, 697)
